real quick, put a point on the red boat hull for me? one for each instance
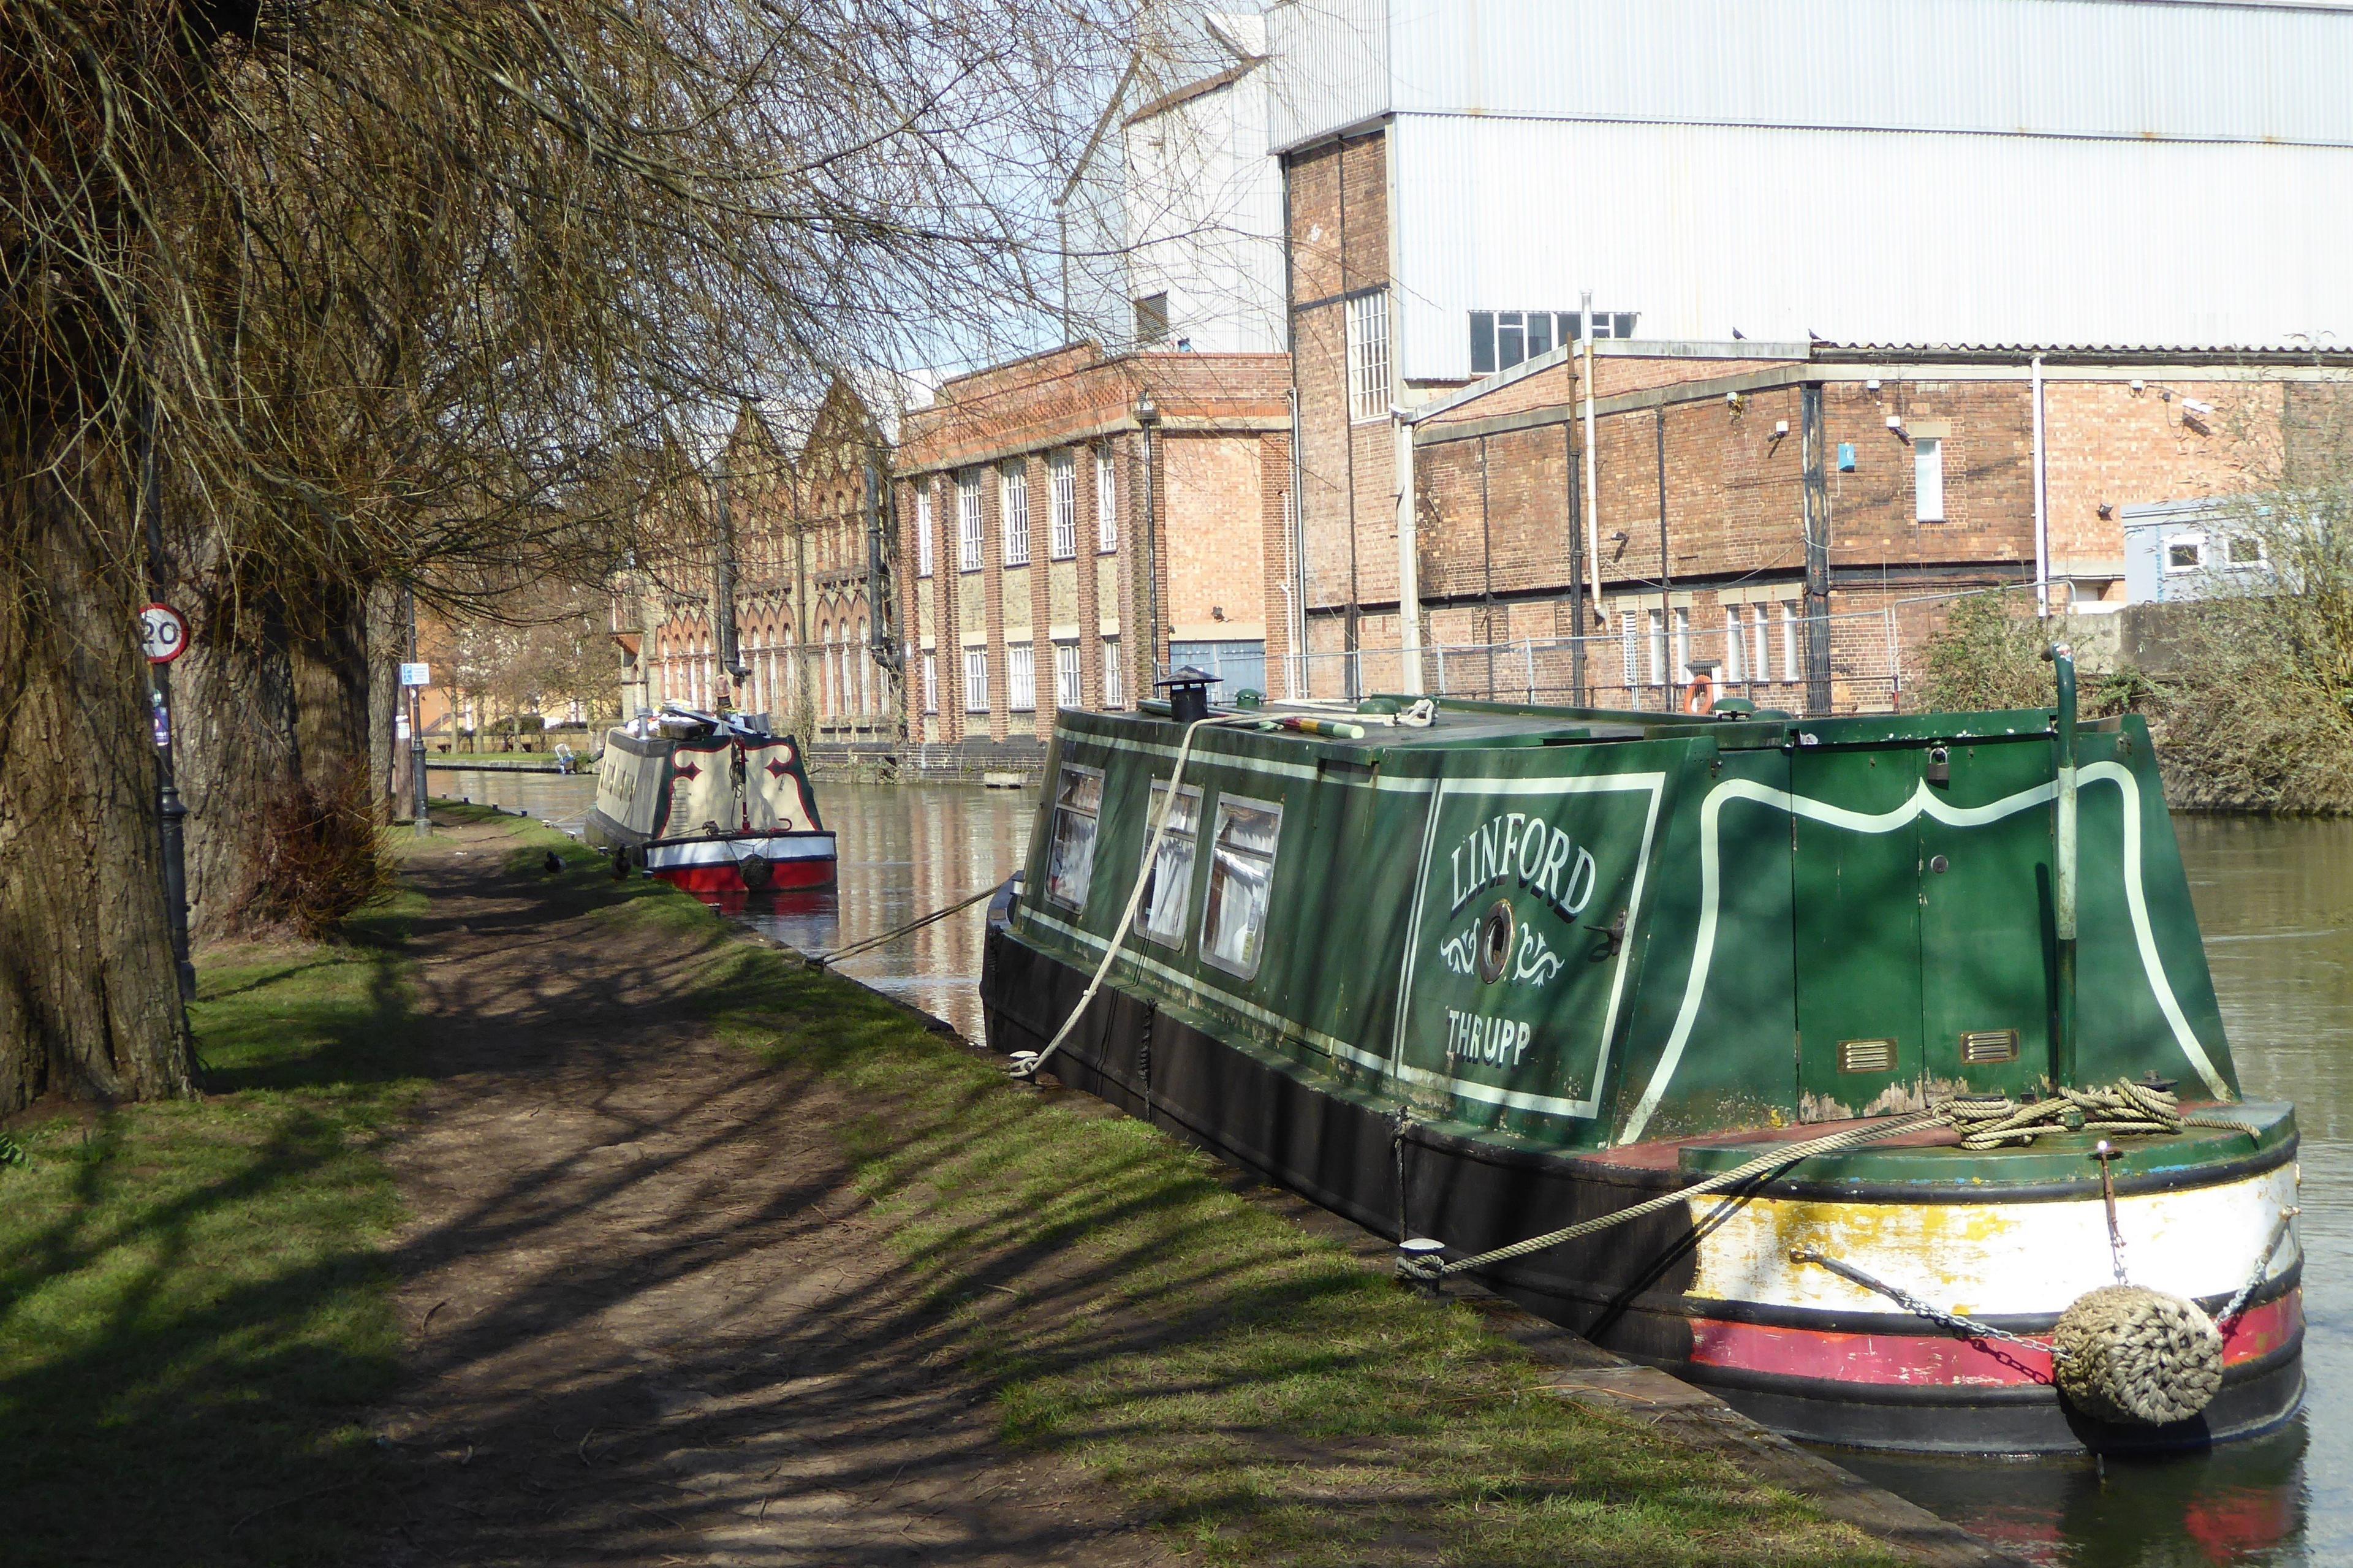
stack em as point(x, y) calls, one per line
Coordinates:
point(787, 876)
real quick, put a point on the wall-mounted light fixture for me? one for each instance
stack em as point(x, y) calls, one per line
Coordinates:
point(1732, 401)
point(2138, 387)
point(1780, 428)
point(1872, 385)
point(2194, 407)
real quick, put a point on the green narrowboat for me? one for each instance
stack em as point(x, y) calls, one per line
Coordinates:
point(1477, 973)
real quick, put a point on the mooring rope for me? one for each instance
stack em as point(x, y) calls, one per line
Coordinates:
point(1433, 1270)
point(1984, 1121)
point(1027, 1067)
point(868, 943)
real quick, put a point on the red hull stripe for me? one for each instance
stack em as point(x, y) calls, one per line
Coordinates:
point(1936, 1360)
point(728, 879)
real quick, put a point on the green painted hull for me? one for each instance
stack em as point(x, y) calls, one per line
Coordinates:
point(1523, 967)
point(1701, 917)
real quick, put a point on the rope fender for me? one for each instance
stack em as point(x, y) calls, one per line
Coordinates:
point(2138, 1357)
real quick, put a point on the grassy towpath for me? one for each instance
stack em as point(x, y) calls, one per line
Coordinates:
point(554, 1224)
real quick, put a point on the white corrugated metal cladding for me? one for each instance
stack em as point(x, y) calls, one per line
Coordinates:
point(2118, 171)
point(2058, 68)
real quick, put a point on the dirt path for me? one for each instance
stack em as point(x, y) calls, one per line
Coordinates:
point(647, 1323)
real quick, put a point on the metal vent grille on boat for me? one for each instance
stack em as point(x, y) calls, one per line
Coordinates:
point(1866, 1056)
point(1982, 1046)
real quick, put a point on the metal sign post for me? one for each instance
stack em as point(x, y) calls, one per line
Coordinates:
point(163, 637)
point(414, 678)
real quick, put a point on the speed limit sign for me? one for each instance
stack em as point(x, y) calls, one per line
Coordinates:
point(164, 632)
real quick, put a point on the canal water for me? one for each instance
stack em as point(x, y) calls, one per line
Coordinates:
point(2276, 901)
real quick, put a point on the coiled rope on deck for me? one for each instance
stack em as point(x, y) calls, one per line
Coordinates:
point(2123, 1108)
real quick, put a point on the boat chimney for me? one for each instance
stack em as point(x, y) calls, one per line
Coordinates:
point(1189, 693)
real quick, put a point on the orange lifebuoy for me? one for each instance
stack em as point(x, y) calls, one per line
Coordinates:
point(1699, 697)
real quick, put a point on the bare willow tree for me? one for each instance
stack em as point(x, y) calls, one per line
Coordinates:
point(389, 293)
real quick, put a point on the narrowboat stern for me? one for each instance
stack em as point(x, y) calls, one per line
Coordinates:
point(712, 803)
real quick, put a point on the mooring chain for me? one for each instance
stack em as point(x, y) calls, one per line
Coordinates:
point(1958, 1323)
point(2228, 1317)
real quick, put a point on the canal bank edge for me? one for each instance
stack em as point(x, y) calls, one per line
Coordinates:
point(1621, 1394)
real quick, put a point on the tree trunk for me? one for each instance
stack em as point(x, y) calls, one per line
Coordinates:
point(90, 1001)
point(234, 694)
point(266, 706)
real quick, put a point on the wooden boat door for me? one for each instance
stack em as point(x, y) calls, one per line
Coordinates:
point(1855, 843)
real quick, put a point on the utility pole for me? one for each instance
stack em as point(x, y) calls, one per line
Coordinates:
point(1147, 418)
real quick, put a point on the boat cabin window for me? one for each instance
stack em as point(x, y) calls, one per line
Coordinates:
point(1241, 870)
point(1168, 875)
point(1071, 858)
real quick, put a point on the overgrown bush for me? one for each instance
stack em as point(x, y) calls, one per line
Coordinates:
point(324, 860)
point(2262, 717)
point(1987, 654)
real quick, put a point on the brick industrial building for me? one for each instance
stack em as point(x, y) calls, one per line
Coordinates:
point(1736, 189)
point(1050, 504)
point(1796, 516)
point(810, 552)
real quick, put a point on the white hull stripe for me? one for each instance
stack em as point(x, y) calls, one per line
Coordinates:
point(727, 852)
point(1924, 799)
point(1331, 1046)
point(1990, 1259)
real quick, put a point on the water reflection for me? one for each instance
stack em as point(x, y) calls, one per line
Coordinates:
point(554, 797)
point(907, 850)
point(2275, 902)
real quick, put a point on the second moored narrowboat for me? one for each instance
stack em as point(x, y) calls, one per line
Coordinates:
point(1476, 972)
point(713, 803)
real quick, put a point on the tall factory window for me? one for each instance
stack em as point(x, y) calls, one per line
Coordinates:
point(1626, 647)
point(1735, 645)
point(968, 521)
point(924, 528)
point(931, 683)
point(1064, 481)
point(1106, 504)
point(1789, 657)
point(1657, 620)
point(975, 680)
point(1369, 357)
point(1928, 478)
point(1066, 675)
point(1014, 501)
point(1115, 681)
point(1021, 677)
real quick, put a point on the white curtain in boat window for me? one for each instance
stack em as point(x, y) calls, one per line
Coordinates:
point(1168, 875)
point(1070, 859)
point(1241, 871)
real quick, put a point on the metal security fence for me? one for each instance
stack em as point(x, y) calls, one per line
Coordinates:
point(1767, 653)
